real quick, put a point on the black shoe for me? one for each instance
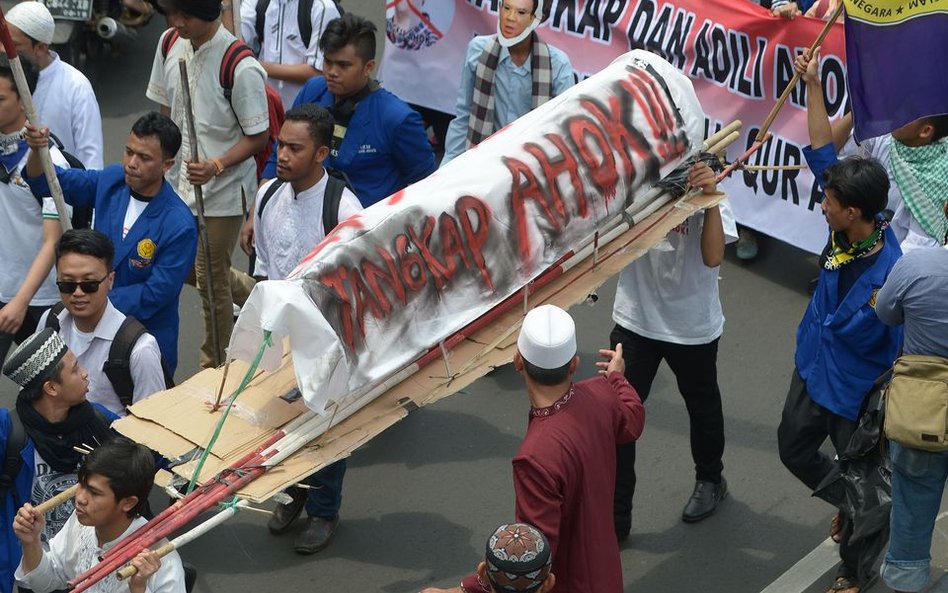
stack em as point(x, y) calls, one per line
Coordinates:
point(704, 500)
point(190, 576)
point(316, 536)
point(285, 514)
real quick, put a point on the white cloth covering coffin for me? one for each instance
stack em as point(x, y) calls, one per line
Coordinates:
point(405, 274)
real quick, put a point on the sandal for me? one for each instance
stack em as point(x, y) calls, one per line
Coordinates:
point(844, 584)
point(836, 528)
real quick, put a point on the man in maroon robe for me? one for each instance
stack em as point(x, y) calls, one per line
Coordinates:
point(564, 472)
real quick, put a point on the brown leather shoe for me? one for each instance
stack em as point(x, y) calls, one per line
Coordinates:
point(316, 535)
point(285, 514)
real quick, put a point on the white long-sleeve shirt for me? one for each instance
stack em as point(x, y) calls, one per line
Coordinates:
point(67, 105)
point(75, 550)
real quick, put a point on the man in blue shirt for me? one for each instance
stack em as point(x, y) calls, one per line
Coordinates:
point(505, 76)
point(379, 141)
point(151, 227)
point(914, 294)
point(842, 346)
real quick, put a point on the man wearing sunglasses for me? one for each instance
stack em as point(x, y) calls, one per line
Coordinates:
point(90, 324)
point(151, 227)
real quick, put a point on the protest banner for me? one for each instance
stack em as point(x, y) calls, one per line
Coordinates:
point(738, 56)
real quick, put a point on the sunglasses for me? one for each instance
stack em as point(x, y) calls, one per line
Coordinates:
point(87, 286)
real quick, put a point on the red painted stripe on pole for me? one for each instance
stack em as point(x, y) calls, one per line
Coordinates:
point(5, 38)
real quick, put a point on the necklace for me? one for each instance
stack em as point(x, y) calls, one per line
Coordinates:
point(10, 143)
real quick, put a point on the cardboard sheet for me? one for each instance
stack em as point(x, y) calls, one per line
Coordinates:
point(175, 421)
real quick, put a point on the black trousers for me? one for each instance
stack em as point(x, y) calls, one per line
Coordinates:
point(696, 370)
point(804, 427)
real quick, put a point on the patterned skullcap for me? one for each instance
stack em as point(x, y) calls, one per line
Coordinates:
point(518, 558)
point(35, 359)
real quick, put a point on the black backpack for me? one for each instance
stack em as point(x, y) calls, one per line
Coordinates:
point(304, 10)
point(118, 365)
point(335, 184)
point(16, 440)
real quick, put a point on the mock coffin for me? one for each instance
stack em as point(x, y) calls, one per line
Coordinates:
point(396, 280)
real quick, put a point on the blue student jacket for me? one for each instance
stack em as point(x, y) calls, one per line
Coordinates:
point(385, 148)
point(152, 261)
point(17, 496)
point(843, 347)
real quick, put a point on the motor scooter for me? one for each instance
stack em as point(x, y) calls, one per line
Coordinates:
point(95, 28)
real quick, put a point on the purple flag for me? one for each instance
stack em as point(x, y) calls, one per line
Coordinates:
point(896, 60)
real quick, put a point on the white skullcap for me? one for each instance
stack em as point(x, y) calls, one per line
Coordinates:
point(34, 20)
point(547, 337)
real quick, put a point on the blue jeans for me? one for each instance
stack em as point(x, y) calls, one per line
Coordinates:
point(325, 498)
point(918, 480)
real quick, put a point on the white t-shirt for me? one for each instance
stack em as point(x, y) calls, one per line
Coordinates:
point(66, 104)
point(282, 41)
point(292, 226)
point(134, 210)
point(907, 230)
point(21, 235)
point(669, 294)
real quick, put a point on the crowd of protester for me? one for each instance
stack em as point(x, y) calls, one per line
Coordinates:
point(94, 310)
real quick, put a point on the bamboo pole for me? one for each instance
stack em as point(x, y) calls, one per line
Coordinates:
point(796, 76)
point(190, 536)
point(199, 200)
point(773, 167)
point(26, 97)
point(57, 500)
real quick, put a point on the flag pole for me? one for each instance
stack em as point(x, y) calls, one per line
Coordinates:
point(199, 206)
point(23, 90)
point(796, 75)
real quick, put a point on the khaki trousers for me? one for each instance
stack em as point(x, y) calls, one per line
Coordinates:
point(230, 286)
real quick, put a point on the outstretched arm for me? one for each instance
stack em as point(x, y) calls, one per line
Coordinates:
point(818, 123)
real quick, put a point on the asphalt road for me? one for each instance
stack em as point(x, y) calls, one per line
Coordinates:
point(420, 499)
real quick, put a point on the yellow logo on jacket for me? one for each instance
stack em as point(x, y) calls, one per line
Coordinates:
point(146, 249)
point(872, 299)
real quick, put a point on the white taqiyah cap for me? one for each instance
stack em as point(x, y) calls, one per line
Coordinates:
point(34, 19)
point(547, 337)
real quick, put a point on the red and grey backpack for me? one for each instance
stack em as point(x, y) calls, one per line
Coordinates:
point(235, 53)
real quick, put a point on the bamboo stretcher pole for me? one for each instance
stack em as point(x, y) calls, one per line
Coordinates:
point(188, 537)
point(743, 158)
point(796, 76)
point(724, 132)
point(26, 97)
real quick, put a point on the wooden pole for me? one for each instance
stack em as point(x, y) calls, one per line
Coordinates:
point(57, 500)
point(796, 76)
point(26, 97)
point(199, 200)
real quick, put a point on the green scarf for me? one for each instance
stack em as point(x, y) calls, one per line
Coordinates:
point(840, 252)
point(921, 172)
